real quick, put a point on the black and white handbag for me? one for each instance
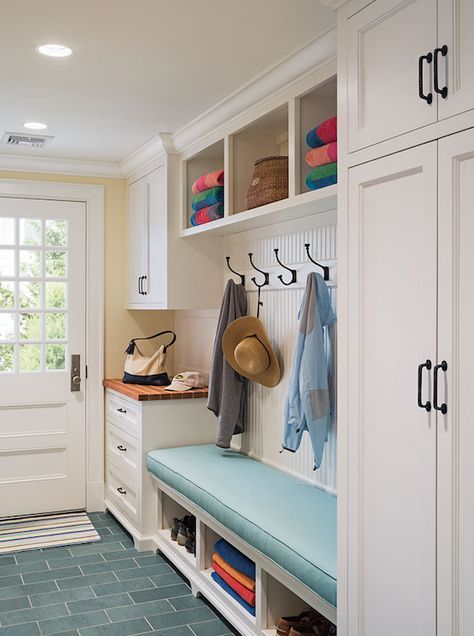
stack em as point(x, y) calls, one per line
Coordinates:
point(140, 369)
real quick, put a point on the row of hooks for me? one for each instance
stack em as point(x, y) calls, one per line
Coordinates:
point(266, 275)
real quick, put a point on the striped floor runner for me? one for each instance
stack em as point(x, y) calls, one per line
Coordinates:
point(32, 533)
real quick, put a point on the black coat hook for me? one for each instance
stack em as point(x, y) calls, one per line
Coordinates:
point(241, 276)
point(323, 267)
point(266, 281)
point(293, 271)
point(266, 274)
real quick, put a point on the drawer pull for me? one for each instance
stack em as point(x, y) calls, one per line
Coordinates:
point(121, 410)
point(121, 490)
point(122, 448)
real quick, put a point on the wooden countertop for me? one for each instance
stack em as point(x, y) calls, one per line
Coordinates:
point(143, 393)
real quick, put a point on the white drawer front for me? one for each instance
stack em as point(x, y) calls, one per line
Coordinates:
point(124, 414)
point(122, 491)
point(122, 450)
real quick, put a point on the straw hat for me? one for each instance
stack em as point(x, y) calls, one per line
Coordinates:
point(248, 351)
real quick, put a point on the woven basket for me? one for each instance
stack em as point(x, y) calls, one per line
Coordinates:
point(269, 182)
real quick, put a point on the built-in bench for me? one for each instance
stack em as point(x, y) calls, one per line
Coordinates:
point(283, 523)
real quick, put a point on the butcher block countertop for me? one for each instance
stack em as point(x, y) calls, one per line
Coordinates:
point(143, 393)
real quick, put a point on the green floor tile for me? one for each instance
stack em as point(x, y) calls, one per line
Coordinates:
point(210, 628)
point(103, 602)
point(85, 581)
point(123, 628)
point(122, 586)
point(50, 598)
point(76, 621)
point(33, 614)
point(158, 593)
point(142, 610)
point(184, 617)
point(149, 570)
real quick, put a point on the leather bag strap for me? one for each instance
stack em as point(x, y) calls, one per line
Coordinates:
point(131, 345)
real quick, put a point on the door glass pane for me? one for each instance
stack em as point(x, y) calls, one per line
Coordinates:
point(7, 294)
point(30, 232)
point(30, 263)
point(30, 326)
point(55, 357)
point(56, 233)
point(55, 295)
point(7, 326)
point(7, 263)
point(7, 231)
point(55, 326)
point(7, 357)
point(55, 264)
point(30, 357)
point(30, 295)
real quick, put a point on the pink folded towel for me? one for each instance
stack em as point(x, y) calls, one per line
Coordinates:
point(206, 181)
point(322, 155)
point(323, 134)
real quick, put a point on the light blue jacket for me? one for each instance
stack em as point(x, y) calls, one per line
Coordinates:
point(308, 405)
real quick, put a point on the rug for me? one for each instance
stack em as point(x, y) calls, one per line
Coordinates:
point(46, 531)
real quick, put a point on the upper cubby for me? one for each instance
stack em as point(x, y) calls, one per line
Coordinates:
point(276, 127)
point(315, 107)
point(266, 137)
point(206, 161)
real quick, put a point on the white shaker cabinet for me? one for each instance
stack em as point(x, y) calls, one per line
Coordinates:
point(410, 63)
point(165, 271)
point(410, 438)
point(391, 493)
point(456, 347)
point(385, 42)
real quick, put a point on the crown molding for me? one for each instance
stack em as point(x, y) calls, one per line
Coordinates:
point(55, 165)
point(263, 85)
point(333, 4)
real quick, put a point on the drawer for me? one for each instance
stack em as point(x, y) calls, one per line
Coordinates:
point(123, 492)
point(124, 414)
point(122, 450)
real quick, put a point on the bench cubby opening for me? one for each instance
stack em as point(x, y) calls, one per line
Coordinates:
point(265, 137)
point(315, 106)
point(207, 160)
point(168, 510)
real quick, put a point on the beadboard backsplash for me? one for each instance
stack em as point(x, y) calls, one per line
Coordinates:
point(196, 329)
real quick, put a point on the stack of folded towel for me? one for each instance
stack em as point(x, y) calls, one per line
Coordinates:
point(208, 200)
point(323, 155)
point(235, 573)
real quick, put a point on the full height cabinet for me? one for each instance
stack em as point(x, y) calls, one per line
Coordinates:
point(410, 497)
point(410, 63)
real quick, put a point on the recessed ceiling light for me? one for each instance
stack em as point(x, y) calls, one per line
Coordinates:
point(54, 50)
point(35, 125)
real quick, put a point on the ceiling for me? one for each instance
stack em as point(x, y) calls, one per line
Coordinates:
point(139, 66)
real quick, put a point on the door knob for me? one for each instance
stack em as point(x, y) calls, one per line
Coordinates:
point(76, 380)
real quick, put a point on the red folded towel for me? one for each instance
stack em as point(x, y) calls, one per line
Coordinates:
point(243, 592)
point(207, 181)
point(322, 156)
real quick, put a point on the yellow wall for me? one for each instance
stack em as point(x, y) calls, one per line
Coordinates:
point(120, 324)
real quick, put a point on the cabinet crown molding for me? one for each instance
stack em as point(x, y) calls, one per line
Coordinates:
point(258, 89)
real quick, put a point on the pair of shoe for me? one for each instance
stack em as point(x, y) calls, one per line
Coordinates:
point(184, 532)
point(309, 622)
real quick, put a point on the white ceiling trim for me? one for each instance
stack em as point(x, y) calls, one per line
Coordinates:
point(72, 167)
point(278, 76)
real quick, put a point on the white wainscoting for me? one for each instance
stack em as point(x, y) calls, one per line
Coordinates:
point(196, 330)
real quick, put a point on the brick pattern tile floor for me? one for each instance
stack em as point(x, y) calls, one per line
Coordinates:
point(99, 589)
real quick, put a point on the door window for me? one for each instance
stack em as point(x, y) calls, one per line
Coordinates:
point(33, 295)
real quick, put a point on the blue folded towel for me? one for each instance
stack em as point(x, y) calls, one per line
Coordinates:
point(233, 593)
point(322, 183)
point(235, 558)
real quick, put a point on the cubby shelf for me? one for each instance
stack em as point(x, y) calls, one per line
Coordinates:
point(179, 550)
point(228, 599)
point(305, 204)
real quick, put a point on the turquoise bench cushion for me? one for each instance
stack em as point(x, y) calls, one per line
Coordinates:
point(288, 520)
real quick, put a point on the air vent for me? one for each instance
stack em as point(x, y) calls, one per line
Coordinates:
point(21, 140)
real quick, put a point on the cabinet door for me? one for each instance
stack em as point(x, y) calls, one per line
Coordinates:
point(156, 231)
point(456, 346)
point(137, 240)
point(385, 41)
point(456, 70)
point(391, 493)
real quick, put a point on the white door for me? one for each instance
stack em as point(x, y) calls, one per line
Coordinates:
point(385, 42)
point(456, 69)
point(456, 347)
point(42, 323)
point(137, 231)
point(392, 442)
